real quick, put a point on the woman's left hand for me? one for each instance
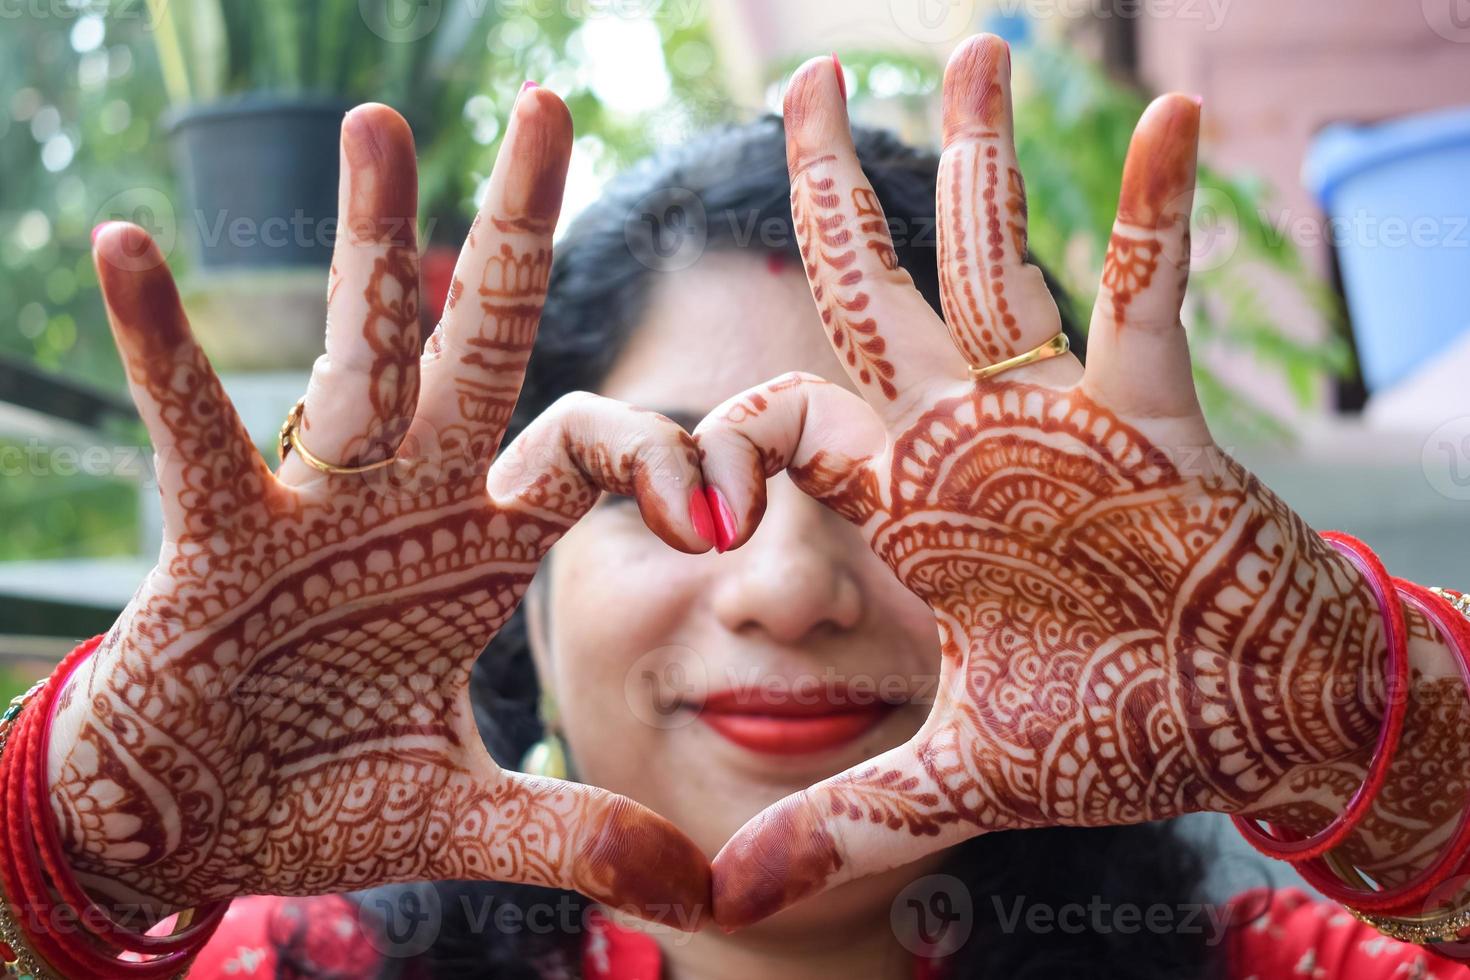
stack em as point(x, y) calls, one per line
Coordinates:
point(1132, 626)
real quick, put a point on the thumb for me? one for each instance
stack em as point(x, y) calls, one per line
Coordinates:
point(882, 814)
point(559, 834)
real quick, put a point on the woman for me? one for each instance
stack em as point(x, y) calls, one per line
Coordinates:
point(1122, 636)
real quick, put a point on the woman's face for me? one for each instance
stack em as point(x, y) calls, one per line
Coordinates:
point(709, 686)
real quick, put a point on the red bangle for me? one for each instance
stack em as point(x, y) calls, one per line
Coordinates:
point(187, 940)
point(24, 883)
point(1403, 898)
point(1292, 847)
point(29, 821)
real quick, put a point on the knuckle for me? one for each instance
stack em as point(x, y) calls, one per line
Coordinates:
point(793, 379)
point(575, 402)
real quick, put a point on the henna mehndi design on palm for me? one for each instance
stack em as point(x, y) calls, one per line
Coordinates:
point(283, 708)
point(1132, 626)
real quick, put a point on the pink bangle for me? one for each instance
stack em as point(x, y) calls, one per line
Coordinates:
point(1293, 848)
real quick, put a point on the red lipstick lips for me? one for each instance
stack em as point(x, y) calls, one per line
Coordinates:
point(791, 723)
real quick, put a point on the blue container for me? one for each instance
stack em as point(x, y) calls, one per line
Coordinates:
point(1398, 199)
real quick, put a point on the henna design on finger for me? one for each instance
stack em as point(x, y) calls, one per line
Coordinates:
point(373, 327)
point(977, 307)
point(391, 330)
point(828, 248)
point(481, 364)
point(897, 800)
point(873, 224)
point(983, 211)
point(1128, 269)
point(1153, 209)
point(511, 297)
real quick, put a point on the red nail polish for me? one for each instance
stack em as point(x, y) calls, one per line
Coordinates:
point(699, 516)
point(724, 517)
point(841, 78)
point(527, 84)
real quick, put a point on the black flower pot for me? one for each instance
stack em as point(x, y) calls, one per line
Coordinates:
point(259, 176)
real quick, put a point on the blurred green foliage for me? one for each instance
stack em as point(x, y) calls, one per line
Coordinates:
point(85, 86)
point(83, 96)
point(453, 68)
point(79, 102)
point(1077, 124)
point(12, 684)
point(64, 514)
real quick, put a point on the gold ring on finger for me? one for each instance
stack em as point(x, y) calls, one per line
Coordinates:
point(290, 441)
point(1055, 347)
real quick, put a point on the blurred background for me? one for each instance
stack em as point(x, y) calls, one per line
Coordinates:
point(1331, 286)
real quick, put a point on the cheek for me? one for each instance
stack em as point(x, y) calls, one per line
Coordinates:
point(892, 602)
point(619, 599)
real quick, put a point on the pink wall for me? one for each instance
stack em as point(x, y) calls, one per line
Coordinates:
point(1273, 73)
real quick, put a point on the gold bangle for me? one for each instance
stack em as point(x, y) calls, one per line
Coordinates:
point(1429, 927)
point(290, 440)
point(1461, 602)
point(1055, 347)
point(22, 962)
point(1446, 929)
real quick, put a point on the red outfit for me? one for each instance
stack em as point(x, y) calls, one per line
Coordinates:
point(1279, 934)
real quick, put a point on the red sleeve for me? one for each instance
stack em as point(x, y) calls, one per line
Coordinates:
point(1285, 933)
point(268, 936)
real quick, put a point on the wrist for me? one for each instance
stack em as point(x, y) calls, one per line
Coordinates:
point(1414, 831)
point(1356, 684)
point(78, 788)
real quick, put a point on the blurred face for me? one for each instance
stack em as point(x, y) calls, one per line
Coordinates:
point(708, 687)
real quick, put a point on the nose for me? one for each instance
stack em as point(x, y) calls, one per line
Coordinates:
point(794, 577)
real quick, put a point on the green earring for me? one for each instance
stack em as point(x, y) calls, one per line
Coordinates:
point(547, 757)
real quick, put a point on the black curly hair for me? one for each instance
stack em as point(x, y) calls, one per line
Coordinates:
point(729, 190)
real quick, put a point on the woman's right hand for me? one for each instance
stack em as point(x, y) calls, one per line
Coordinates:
point(283, 706)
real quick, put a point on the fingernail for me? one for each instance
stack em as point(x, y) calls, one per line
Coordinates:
point(725, 529)
point(527, 84)
point(699, 516)
point(841, 78)
point(1198, 100)
point(98, 231)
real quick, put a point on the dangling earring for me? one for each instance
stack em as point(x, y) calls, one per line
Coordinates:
point(547, 757)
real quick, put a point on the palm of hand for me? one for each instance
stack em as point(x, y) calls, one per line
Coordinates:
point(1100, 613)
point(322, 740)
point(1122, 609)
point(283, 708)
